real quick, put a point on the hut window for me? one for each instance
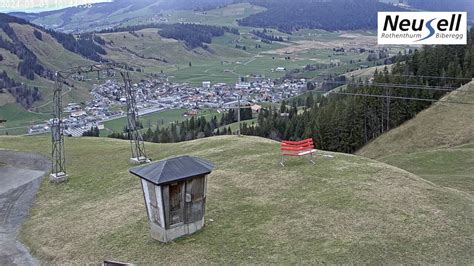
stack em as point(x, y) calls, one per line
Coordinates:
point(195, 206)
point(176, 203)
point(155, 213)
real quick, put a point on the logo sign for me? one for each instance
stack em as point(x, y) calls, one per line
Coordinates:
point(422, 28)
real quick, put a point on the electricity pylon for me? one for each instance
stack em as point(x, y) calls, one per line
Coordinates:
point(135, 136)
point(58, 170)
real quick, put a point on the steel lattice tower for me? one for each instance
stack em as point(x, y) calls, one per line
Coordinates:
point(58, 170)
point(136, 139)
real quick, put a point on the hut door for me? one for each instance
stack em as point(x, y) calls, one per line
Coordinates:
point(155, 211)
point(195, 199)
point(176, 203)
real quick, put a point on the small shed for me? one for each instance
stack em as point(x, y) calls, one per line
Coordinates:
point(175, 195)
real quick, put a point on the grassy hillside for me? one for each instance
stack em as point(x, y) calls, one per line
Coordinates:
point(349, 209)
point(123, 13)
point(18, 119)
point(436, 145)
point(52, 55)
point(442, 125)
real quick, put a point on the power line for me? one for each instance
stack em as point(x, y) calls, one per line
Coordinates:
point(398, 75)
point(400, 98)
point(431, 77)
point(400, 86)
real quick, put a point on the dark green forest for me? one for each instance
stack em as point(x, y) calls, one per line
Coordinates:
point(193, 128)
point(292, 15)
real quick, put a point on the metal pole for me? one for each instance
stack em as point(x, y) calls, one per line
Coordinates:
point(238, 116)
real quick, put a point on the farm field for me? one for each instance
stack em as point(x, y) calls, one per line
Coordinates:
point(18, 120)
point(232, 56)
point(346, 209)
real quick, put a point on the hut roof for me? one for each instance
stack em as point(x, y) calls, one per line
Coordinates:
point(172, 170)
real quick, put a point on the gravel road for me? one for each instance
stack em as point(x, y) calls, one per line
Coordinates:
point(19, 182)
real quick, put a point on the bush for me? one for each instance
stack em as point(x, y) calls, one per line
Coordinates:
point(38, 35)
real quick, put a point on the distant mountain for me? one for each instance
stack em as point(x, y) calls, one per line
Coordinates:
point(443, 5)
point(292, 15)
point(112, 14)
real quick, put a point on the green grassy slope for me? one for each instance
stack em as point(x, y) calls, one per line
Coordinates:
point(227, 15)
point(346, 210)
point(436, 145)
point(86, 19)
point(49, 52)
point(51, 55)
point(18, 119)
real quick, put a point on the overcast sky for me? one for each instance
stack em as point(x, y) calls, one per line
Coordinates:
point(41, 5)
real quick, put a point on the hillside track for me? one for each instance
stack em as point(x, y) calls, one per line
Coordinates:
point(19, 182)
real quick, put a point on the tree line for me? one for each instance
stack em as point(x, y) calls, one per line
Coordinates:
point(84, 44)
point(266, 37)
point(190, 129)
point(193, 35)
point(23, 95)
point(29, 65)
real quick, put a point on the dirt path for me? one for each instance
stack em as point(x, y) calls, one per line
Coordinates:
point(19, 182)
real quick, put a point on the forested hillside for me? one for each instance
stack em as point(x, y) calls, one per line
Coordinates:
point(292, 15)
point(346, 123)
point(193, 35)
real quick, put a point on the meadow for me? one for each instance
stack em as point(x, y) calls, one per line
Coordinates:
point(348, 209)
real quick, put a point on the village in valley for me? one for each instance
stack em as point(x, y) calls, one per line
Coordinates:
point(109, 102)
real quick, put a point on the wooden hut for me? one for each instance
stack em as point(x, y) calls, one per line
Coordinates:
point(175, 195)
